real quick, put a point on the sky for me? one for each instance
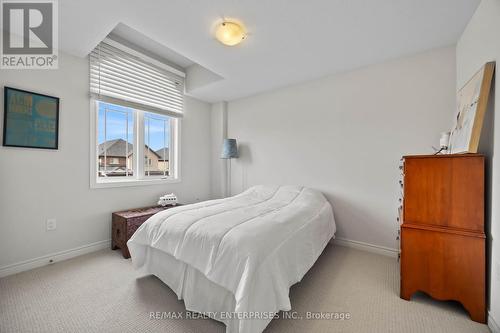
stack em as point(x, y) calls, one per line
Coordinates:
point(116, 124)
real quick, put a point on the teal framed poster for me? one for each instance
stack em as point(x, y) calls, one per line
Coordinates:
point(31, 120)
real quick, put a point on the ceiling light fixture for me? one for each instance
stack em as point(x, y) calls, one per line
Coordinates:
point(230, 33)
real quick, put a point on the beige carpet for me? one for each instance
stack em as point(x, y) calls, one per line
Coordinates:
point(100, 292)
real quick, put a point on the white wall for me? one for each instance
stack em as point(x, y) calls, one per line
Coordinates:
point(218, 133)
point(479, 44)
point(345, 134)
point(40, 184)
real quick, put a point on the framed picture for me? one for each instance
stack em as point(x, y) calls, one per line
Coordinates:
point(472, 101)
point(31, 120)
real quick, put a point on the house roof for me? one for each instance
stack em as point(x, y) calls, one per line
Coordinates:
point(118, 148)
point(163, 154)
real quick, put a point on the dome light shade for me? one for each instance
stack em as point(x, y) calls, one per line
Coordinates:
point(230, 33)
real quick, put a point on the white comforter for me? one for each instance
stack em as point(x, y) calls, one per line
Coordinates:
point(237, 240)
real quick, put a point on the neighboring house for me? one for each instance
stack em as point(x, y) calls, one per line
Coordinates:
point(116, 158)
point(163, 153)
point(151, 160)
point(113, 160)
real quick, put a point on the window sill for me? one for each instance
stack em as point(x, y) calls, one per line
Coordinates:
point(133, 182)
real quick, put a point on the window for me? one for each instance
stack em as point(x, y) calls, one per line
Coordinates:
point(137, 106)
point(119, 142)
point(157, 142)
point(115, 141)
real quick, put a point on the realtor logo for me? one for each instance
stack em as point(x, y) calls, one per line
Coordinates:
point(29, 34)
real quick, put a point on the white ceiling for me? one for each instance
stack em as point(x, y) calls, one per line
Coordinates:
point(126, 35)
point(289, 41)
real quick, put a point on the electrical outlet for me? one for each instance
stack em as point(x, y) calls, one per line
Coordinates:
point(51, 224)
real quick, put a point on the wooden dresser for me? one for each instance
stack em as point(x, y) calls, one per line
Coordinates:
point(126, 222)
point(442, 234)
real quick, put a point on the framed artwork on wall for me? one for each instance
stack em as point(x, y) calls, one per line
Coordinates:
point(472, 101)
point(31, 120)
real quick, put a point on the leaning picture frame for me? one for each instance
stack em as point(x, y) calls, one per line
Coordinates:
point(472, 102)
point(31, 120)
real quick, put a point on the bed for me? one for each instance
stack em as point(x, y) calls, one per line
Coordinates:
point(235, 259)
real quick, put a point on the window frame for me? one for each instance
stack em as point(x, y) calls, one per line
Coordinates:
point(139, 178)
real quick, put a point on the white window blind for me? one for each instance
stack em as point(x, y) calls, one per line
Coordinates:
point(119, 76)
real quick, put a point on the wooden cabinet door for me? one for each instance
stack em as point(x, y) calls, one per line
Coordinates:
point(427, 191)
point(446, 266)
point(445, 191)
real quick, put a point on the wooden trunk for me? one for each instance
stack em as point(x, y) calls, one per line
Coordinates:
point(125, 223)
point(442, 235)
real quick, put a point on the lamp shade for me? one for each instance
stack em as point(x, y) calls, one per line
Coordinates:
point(229, 149)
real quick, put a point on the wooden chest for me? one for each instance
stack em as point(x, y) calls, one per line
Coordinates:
point(126, 222)
point(442, 235)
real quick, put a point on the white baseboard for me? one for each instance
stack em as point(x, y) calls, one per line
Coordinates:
point(55, 257)
point(492, 324)
point(386, 251)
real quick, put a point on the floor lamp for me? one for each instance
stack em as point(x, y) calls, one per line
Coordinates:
point(229, 151)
